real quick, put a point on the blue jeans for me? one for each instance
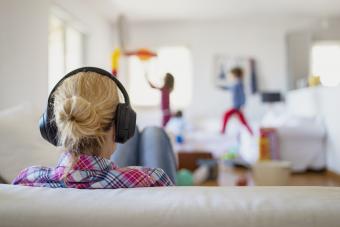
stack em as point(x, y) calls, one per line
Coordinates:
point(149, 148)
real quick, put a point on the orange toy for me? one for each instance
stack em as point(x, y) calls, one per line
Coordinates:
point(115, 61)
point(143, 54)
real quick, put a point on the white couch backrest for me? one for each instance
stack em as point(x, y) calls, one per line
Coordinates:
point(169, 207)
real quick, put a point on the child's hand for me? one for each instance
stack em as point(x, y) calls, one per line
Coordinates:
point(151, 85)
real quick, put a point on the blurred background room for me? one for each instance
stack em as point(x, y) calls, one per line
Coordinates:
point(269, 69)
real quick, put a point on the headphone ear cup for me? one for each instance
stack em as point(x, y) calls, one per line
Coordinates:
point(48, 129)
point(125, 122)
point(42, 126)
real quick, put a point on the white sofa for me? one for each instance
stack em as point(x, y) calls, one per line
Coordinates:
point(302, 139)
point(173, 206)
point(303, 144)
point(21, 146)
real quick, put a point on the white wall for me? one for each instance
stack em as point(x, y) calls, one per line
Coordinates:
point(298, 56)
point(263, 41)
point(98, 30)
point(299, 43)
point(23, 51)
point(24, 47)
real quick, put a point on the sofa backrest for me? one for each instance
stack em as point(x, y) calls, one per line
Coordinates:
point(171, 206)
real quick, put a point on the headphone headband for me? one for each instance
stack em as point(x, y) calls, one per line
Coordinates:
point(94, 70)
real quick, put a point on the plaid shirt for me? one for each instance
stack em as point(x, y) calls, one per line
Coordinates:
point(91, 172)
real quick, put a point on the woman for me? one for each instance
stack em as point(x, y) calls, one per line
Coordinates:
point(168, 87)
point(84, 107)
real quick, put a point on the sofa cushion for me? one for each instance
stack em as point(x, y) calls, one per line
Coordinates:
point(20, 142)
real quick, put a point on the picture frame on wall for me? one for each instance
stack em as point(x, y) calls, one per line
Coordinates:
point(224, 64)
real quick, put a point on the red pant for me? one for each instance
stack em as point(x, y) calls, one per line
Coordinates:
point(229, 114)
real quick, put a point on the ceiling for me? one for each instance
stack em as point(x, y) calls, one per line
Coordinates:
point(191, 10)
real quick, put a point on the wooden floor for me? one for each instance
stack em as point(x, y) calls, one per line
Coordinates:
point(315, 179)
point(324, 178)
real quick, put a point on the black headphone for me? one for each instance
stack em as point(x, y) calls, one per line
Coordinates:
point(124, 119)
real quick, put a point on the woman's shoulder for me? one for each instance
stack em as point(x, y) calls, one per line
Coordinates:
point(145, 176)
point(31, 175)
point(143, 170)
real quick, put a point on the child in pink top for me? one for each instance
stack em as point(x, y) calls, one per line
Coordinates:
point(167, 88)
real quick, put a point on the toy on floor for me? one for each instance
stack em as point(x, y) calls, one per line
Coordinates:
point(201, 175)
point(184, 177)
point(212, 167)
point(231, 154)
point(241, 181)
point(208, 169)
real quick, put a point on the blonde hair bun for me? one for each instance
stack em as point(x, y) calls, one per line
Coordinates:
point(79, 116)
point(84, 106)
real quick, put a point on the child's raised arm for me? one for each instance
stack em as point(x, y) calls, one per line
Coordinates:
point(153, 86)
point(224, 87)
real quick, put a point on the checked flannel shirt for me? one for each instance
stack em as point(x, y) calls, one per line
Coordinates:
point(91, 172)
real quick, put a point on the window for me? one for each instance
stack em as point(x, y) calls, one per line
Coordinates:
point(325, 62)
point(65, 49)
point(175, 60)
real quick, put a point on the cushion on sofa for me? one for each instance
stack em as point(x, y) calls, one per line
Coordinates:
point(20, 142)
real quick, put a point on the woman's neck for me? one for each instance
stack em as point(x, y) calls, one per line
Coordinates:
point(109, 145)
point(106, 153)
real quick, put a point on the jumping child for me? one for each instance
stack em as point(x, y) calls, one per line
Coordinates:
point(239, 100)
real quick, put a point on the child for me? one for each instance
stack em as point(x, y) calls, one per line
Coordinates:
point(239, 100)
point(168, 87)
point(177, 126)
point(84, 111)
